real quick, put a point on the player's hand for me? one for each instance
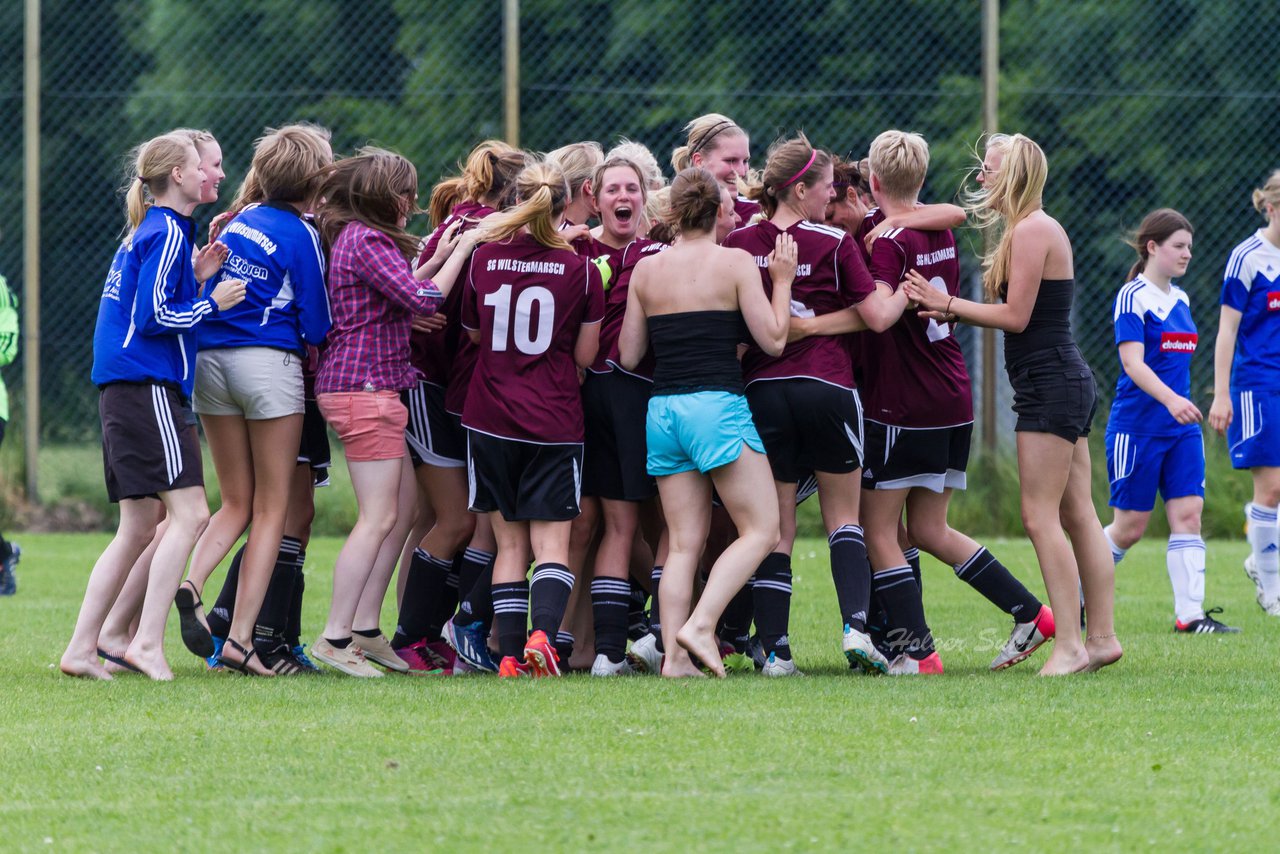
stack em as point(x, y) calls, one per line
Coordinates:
point(1220, 414)
point(448, 240)
point(209, 260)
point(782, 260)
point(799, 329)
point(880, 229)
point(429, 323)
point(218, 223)
point(576, 232)
point(228, 294)
point(930, 300)
point(1184, 411)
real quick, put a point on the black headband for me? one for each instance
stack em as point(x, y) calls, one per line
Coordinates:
point(716, 129)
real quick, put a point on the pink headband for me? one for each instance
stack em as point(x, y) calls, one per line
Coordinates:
point(813, 155)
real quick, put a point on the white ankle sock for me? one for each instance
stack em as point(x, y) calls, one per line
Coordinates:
point(1185, 562)
point(1117, 553)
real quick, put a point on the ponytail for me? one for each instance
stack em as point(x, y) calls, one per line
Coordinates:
point(1159, 225)
point(544, 193)
point(490, 170)
point(152, 163)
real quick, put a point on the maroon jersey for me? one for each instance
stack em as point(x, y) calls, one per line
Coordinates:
point(916, 376)
point(432, 353)
point(745, 209)
point(830, 275)
point(615, 308)
point(528, 302)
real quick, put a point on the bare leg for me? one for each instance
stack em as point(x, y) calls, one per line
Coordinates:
point(368, 612)
point(118, 630)
point(1097, 569)
point(228, 437)
point(686, 499)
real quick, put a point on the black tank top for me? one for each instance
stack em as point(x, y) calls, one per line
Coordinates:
point(1050, 323)
point(696, 351)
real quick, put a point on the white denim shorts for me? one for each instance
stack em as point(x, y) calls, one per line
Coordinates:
point(257, 383)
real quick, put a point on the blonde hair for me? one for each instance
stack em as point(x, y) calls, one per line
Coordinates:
point(790, 162)
point(290, 162)
point(1008, 197)
point(641, 156)
point(489, 172)
point(900, 161)
point(199, 137)
point(543, 193)
point(1268, 193)
point(577, 161)
point(153, 162)
point(657, 212)
point(703, 134)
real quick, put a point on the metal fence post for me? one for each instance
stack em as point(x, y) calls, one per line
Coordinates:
point(990, 124)
point(31, 249)
point(511, 71)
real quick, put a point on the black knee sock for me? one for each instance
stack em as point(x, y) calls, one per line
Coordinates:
point(424, 586)
point(549, 596)
point(771, 591)
point(989, 577)
point(224, 608)
point(655, 618)
point(563, 642)
point(447, 603)
point(293, 634)
point(511, 613)
point(637, 617)
point(6, 548)
point(477, 606)
point(610, 601)
point(273, 617)
point(878, 624)
point(908, 631)
point(852, 575)
point(735, 623)
point(474, 563)
point(913, 560)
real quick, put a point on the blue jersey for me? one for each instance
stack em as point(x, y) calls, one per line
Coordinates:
point(1162, 323)
point(1252, 287)
point(278, 256)
point(150, 306)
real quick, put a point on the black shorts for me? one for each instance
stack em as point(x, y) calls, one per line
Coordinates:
point(149, 441)
point(1054, 392)
point(615, 406)
point(314, 449)
point(435, 436)
point(3, 424)
point(807, 426)
point(902, 458)
point(523, 481)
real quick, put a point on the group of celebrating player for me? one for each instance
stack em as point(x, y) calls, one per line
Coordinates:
point(641, 402)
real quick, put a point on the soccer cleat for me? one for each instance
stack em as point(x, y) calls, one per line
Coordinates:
point(378, 650)
point(604, 667)
point(905, 665)
point(8, 574)
point(644, 656)
point(280, 661)
point(734, 661)
point(775, 666)
point(1206, 625)
point(350, 661)
point(758, 656)
point(512, 667)
point(1271, 607)
point(469, 642)
point(420, 660)
point(212, 661)
point(1025, 639)
point(443, 655)
point(300, 654)
point(861, 652)
point(541, 656)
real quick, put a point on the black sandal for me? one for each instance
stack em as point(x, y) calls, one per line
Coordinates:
point(195, 636)
point(241, 666)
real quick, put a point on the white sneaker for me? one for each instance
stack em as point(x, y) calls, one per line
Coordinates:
point(644, 656)
point(379, 651)
point(775, 666)
point(861, 652)
point(1270, 606)
point(1025, 639)
point(905, 665)
point(604, 667)
point(349, 661)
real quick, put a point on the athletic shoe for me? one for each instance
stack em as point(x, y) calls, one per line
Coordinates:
point(512, 667)
point(378, 650)
point(758, 656)
point(644, 656)
point(905, 665)
point(541, 656)
point(349, 661)
point(212, 661)
point(775, 666)
point(8, 575)
point(443, 655)
point(861, 652)
point(300, 654)
point(1206, 625)
point(419, 659)
point(738, 662)
point(469, 642)
point(1025, 639)
point(604, 667)
point(1271, 607)
point(280, 661)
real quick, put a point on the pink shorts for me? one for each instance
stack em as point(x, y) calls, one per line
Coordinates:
point(371, 424)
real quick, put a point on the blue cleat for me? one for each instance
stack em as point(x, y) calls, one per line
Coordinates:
point(470, 643)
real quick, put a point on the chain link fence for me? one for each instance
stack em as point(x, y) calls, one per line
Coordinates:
point(1138, 103)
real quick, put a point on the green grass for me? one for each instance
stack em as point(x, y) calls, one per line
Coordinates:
point(1174, 746)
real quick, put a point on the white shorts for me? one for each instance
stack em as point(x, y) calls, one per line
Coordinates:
point(256, 383)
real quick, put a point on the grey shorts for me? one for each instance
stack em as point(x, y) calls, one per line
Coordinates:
point(256, 383)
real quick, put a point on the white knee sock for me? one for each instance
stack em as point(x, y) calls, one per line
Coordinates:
point(1117, 553)
point(1263, 532)
point(1185, 561)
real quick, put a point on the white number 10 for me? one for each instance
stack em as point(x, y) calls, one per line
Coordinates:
point(526, 342)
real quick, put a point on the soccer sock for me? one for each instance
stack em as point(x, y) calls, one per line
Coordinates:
point(610, 602)
point(655, 619)
point(1117, 553)
point(913, 560)
point(367, 633)
point(548, 597)
point(511, 614)
point(563, 642)
point(989, 577)
point(293, 634)
point(637, 619)
point(422, 589)
point(909, 632)
point(1263, 531)
point(444, 607)
point(474, 563)
point(771, 591)
point(477, 606)
point(852, 575)
point(6, 548)
point(1185, 562)
point(273, 617)
point(878, 624)
point(735, 623)
point(219, 617)
point(339, 643)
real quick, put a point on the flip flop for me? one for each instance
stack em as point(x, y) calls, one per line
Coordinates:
point(117, 660)
point(195, 636)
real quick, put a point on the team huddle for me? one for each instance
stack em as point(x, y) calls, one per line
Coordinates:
point(580, 415)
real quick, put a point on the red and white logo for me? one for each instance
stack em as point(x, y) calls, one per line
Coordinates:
point(1180, 342)
point(1273, 300)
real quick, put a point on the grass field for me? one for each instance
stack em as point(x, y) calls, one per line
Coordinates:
point(1174, 746)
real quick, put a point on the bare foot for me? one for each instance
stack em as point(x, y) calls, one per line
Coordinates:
point(702, 646)
point(1103, 652)
point(680, 666)
point(1063, 662)
point(83, 668)
point(150, 663)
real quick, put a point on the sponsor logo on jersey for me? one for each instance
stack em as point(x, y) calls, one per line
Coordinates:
point(1273, 300)
point(1179, 342)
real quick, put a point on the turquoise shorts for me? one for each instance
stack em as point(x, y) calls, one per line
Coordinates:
point(703, 431)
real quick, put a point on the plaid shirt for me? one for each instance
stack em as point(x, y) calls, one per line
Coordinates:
point(373, 296)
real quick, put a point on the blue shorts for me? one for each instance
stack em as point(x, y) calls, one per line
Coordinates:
point(1253, 437)
point(703, 431)
point(1139, 465)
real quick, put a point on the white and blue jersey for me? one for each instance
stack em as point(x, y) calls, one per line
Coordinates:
point(150, 306)
point(278, 255)
point(1162, 323)
point(1251, 286)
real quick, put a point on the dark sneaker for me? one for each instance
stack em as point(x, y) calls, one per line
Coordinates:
point(1206, 625)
